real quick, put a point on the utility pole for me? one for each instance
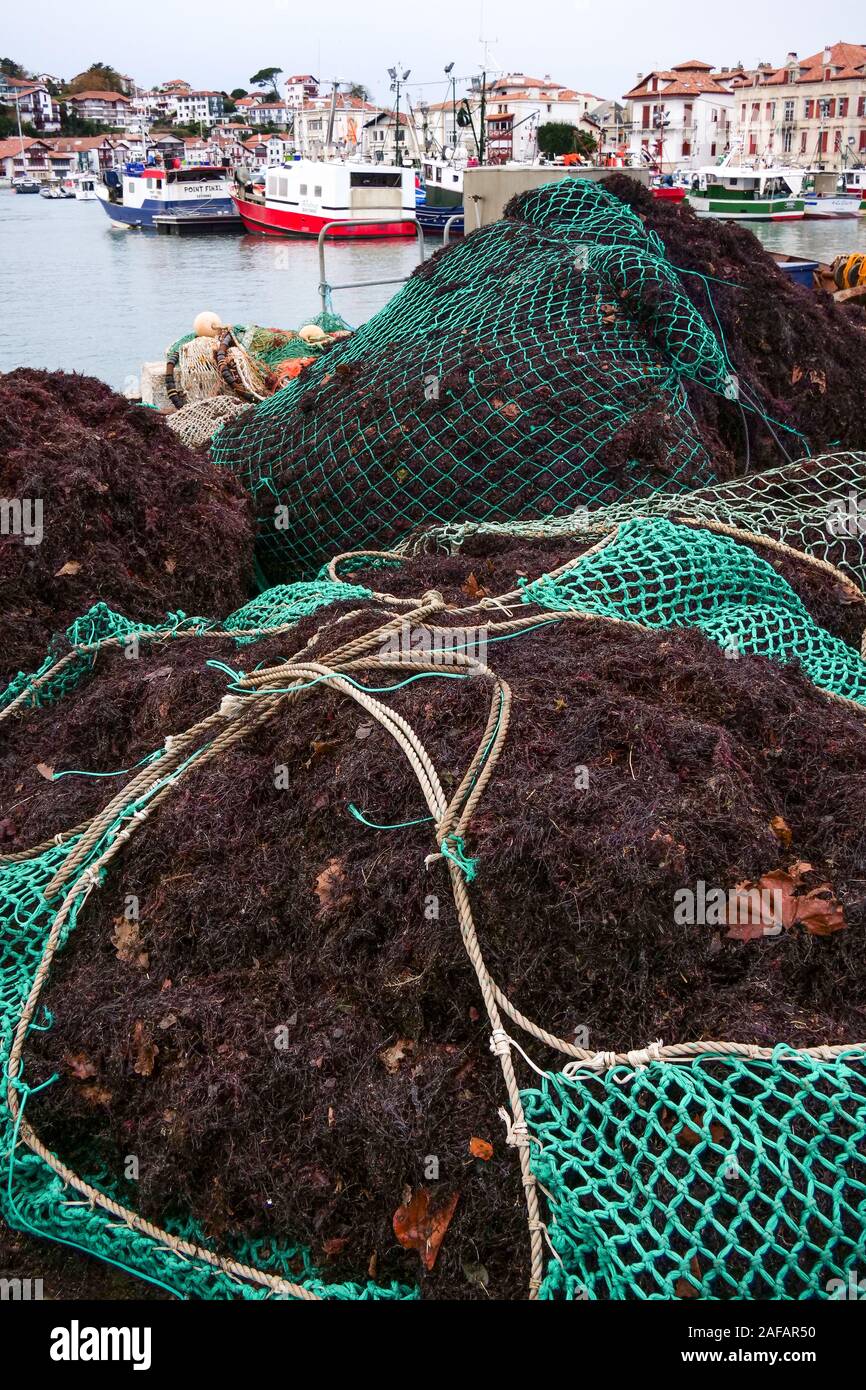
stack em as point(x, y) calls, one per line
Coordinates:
point(396, 83)
point(482, 132)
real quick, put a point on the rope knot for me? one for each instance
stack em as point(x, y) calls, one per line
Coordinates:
point(641, 1057)
point(456, 852)
point(500, 1043)
point(516, 1131)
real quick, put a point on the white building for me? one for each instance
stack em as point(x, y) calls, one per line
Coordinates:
point(39, 110)
point(810, 111)
point(194, 106)
point(344, 116)
point(261, 110)
point(680, 119)
point(516, 105)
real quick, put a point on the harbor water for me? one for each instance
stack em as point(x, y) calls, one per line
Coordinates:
point(80, 295)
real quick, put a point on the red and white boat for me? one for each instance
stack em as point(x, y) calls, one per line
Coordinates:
point(299, 199)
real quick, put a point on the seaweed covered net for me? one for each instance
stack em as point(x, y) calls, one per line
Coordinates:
point(522, 373)
point(706, 1169)
point(814, 505)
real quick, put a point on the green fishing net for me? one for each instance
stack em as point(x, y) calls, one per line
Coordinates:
point(720, 1177)
point(526, 371)
point(813, 505)
point(271, 346)
point(659, 574)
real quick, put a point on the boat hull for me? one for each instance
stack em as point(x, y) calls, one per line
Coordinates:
point(282, 222)
point(747, 210)
point(434, 219)
point(154, 207)
point(831, 206)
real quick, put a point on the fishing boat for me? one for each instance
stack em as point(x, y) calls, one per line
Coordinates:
point(51, 191)
point(443, 182)
point(144, 191)
point(26, 185)
point(745, 194)
point(301, 198)
point(81, 187)
point(853, 183)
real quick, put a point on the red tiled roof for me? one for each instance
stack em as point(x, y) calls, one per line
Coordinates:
point(693, 65)
point(97, 96)
point(848, 58)
point(677, 83)
point(13, 146)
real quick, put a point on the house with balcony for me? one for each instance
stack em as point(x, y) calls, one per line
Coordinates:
point(192, 106)
point(680, 118)
point(104, 108)
point(809, 112)
point(39, 110)
point(262, 110)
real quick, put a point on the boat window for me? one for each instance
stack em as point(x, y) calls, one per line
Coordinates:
point(438, 175)
point(282, 188)
point(368, 179)
point(317, 190)
point(303, 190)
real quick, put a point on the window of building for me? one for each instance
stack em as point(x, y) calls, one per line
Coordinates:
point(787, 140)
point(687, 113)
point(713, 149)
point(843, 106)
point(771, 110)
point(687, 147)
point(822, 142)
point(646, 118)
point(789, 112)
point(837, 140)
point(743, 112)
point(809, 108)
point(753, 144)
point(756, 110)
point(863, 139)
point(803, 139)
point(861, 107)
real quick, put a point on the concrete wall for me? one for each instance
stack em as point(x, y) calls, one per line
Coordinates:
point(486, 191)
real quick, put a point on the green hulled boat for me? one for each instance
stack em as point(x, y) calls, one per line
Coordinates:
point(757, 195)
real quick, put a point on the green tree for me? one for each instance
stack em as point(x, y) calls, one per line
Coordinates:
point(359, 91)
point(266, 78)
point(99, 77)
point(238, 92)
point(10, 68)
point(559, 137)
point(556, 138)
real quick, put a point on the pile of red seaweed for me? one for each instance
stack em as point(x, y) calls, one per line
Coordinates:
point(801, 355)
point(290, 1036)
point(128, 515)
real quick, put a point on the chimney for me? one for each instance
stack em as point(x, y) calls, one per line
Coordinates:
point(827, 54)
point(791, 58)
point(640, 77)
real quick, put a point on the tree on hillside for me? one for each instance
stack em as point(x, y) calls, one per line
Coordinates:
point(266, 78)
point(558, 138)
point(99, 77)
point(10, 68)
point(359, 91)
point(237, 93)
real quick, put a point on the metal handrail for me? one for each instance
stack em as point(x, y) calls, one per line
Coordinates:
point(446, 230)
point(325, 289)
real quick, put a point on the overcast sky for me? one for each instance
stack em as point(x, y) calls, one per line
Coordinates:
point(593, 46)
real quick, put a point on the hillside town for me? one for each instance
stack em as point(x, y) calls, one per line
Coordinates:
point(806, 111)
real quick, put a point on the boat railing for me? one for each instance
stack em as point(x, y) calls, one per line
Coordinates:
point(326, 290)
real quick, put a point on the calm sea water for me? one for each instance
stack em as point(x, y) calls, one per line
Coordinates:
point(80, 295)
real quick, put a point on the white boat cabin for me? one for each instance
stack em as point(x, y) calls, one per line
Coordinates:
point(335, 191)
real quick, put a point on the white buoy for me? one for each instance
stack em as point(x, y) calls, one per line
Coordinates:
point(207, 325)
point(312, 333)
